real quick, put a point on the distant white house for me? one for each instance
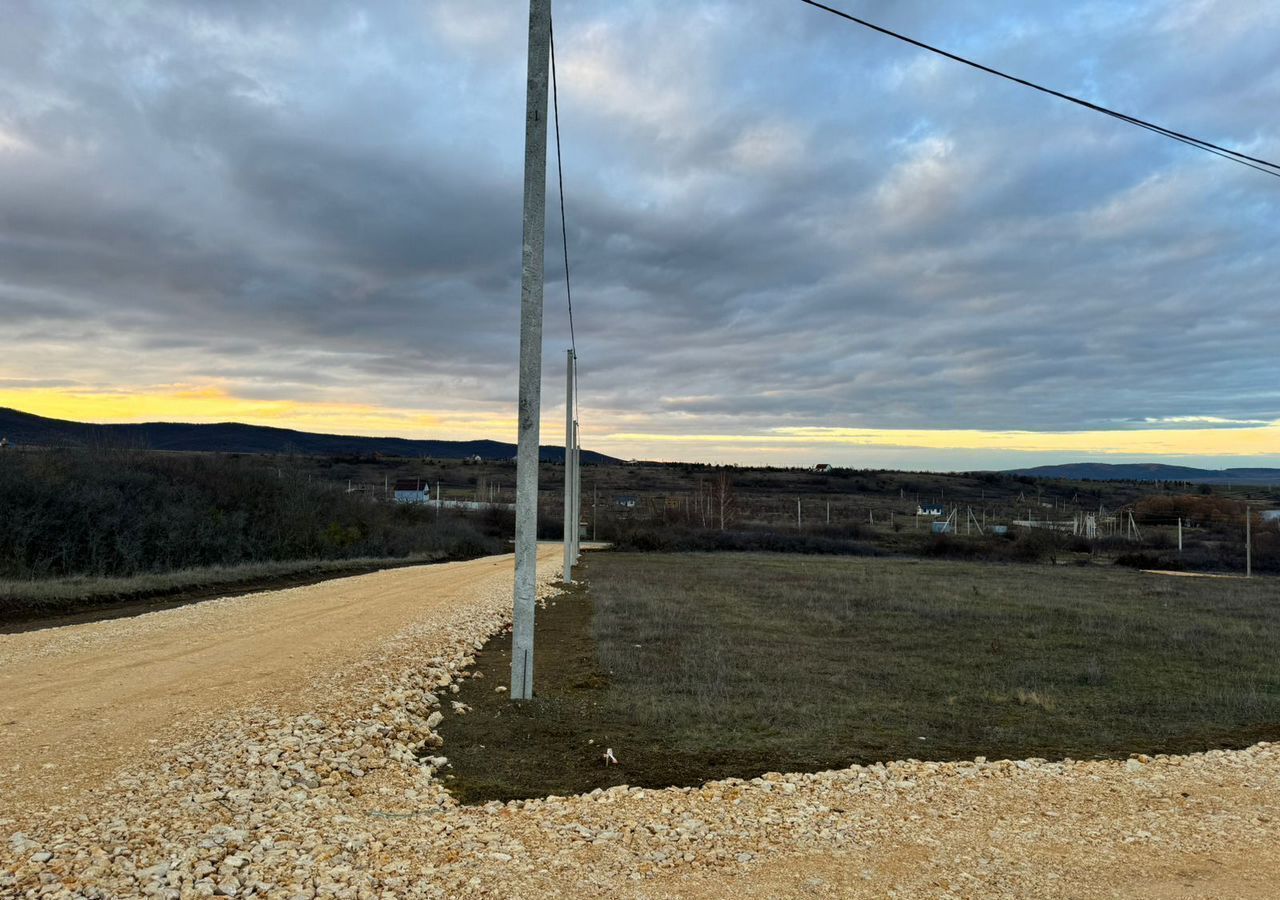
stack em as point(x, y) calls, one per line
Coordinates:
point(625, 501)
point(1271, 515)
point(412, 490)
point(930, 509)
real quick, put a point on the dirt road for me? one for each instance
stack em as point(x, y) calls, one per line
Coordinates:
point(284, 746)
point(76, 703)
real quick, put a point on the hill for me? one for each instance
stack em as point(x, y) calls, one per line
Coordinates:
point(1151, 472)
point(26, 429)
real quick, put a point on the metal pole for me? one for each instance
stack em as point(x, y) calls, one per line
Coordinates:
point(576, 539)
point(1179, 535)
point(798, 526)
point(1248, 543)
point(568, 467)
point(530, 400)
point(595, 517)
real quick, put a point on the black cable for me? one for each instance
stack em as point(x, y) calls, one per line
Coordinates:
point(1253, 162)
point(564, 233)
point(564, 230)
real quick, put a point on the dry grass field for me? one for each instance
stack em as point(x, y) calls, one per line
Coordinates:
point(700, 666)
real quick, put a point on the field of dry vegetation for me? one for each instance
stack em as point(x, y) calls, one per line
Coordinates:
point(700, 666)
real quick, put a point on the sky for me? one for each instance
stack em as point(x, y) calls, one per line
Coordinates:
point(792, 240)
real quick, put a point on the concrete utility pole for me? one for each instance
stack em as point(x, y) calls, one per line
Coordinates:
point(568, 468)
point(530, 401)
point(577, 492)
point(1248, 542)
point(1179, 535)
point(798, 525)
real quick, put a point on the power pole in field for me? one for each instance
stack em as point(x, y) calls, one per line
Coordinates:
point(530, 401)
point(1248, 542)
point(568, 469)
point(577, 492)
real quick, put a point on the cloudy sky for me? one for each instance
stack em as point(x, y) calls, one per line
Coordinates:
point(793, 240)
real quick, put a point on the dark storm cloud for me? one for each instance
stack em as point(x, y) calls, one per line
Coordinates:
point(775, 218)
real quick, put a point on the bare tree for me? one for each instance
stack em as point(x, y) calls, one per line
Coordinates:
point(725, 498)
point(704, 499)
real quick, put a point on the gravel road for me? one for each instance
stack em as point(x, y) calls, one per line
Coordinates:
point(267, 746)
point(78, 702)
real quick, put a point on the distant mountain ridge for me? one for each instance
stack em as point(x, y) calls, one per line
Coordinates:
point(1151, 472)
point(233, 437)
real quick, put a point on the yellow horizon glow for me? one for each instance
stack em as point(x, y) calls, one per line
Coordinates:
point(1242, 441)
point(214, 403)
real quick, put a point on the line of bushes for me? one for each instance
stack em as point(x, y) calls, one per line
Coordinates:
point(119, 513)
point(647, 538)
point(1018, 546)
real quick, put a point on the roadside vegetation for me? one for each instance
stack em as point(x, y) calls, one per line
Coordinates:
point(87, 526)
point(699, 666)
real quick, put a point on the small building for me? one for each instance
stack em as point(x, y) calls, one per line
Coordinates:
point(930, 509)
point(626, 501)
point(412, 490)
point(824, 468)
point(1271, 515)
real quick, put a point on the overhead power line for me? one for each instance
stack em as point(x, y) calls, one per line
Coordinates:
point(564, 232)
point(564, 229)
point(1262, 165)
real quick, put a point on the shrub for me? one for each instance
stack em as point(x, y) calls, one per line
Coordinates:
point(654, 539)
point(124, 513)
